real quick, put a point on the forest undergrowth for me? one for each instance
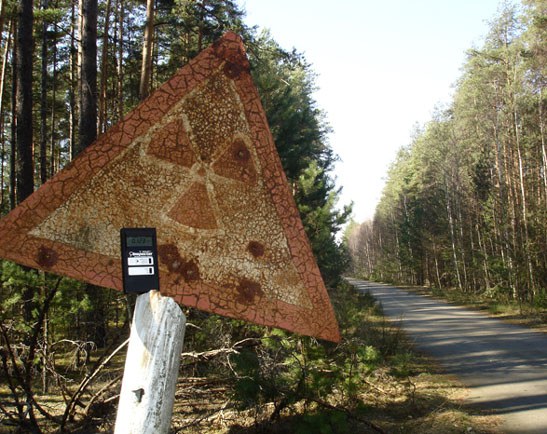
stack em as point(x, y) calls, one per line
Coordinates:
point(240, 378)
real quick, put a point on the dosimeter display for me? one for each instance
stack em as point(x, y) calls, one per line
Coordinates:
point(139, 260)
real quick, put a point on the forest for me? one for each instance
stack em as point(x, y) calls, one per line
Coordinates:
point(463, 207)
point(465, 203)
point(71, 70)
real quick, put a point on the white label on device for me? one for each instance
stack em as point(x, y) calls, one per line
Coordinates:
point(140, 271)
point(143, 260)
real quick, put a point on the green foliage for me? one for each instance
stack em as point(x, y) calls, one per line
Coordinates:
point(190, 27)
point(287, 369)
point(323, 422)
point(248, 388)
point(67, 308)
point(286, 84)
point(16, 302)
point(401, 364)
point(317, 199)
point(14, 276)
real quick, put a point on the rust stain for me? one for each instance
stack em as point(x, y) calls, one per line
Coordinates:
point(233, 70)
point(256, 249)
point(169, 256)
point(248, 291)
point(240, 151)
point(236, 163)
point(201, 171)
point(46, 257)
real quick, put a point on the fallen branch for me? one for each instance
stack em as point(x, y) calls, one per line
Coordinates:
point(100, 392)
point(234, 349)
point(203, 381)
point(206, 417)
point(374, 386)
point(85, 382)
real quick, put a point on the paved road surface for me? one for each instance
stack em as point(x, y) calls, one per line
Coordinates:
point(504, 366)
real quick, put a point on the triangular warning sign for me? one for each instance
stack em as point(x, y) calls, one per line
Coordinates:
point(196, 160)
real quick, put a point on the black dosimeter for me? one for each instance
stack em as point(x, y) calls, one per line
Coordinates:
point(139, 260)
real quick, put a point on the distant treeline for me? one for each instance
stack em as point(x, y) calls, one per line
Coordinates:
point(465, 204)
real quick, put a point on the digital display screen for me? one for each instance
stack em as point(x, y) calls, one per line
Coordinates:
point(139, 241)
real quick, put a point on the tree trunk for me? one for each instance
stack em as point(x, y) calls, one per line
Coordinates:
point(524, 210)
point(74, 62)
point(484, 252)
point(2, 87)
point(437, 273)
point(24, 163)
point(53, 150)
point(24, 170)
point(2, 19)
point(88, 80)
point(120, 75)
point(43, 100)
point(461, 231)
point(104, 72)
point(13, 153)
point(453, 238)
point(146, 67)
point(543, 146)
point(24, 125)
point(97, 316)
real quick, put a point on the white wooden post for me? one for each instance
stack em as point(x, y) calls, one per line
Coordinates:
point(151, 366)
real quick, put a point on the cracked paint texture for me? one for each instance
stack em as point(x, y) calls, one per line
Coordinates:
point(196, 160)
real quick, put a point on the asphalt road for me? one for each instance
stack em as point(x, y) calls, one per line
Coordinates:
point(503, 365)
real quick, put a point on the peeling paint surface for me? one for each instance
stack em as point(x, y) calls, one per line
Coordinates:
point(195, 160)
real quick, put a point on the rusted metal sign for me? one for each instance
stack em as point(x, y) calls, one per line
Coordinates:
point(196, 160)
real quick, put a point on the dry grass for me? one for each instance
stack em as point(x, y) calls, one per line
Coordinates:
point(426, 402)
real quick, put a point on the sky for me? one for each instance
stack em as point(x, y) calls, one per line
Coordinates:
point(382, 68)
